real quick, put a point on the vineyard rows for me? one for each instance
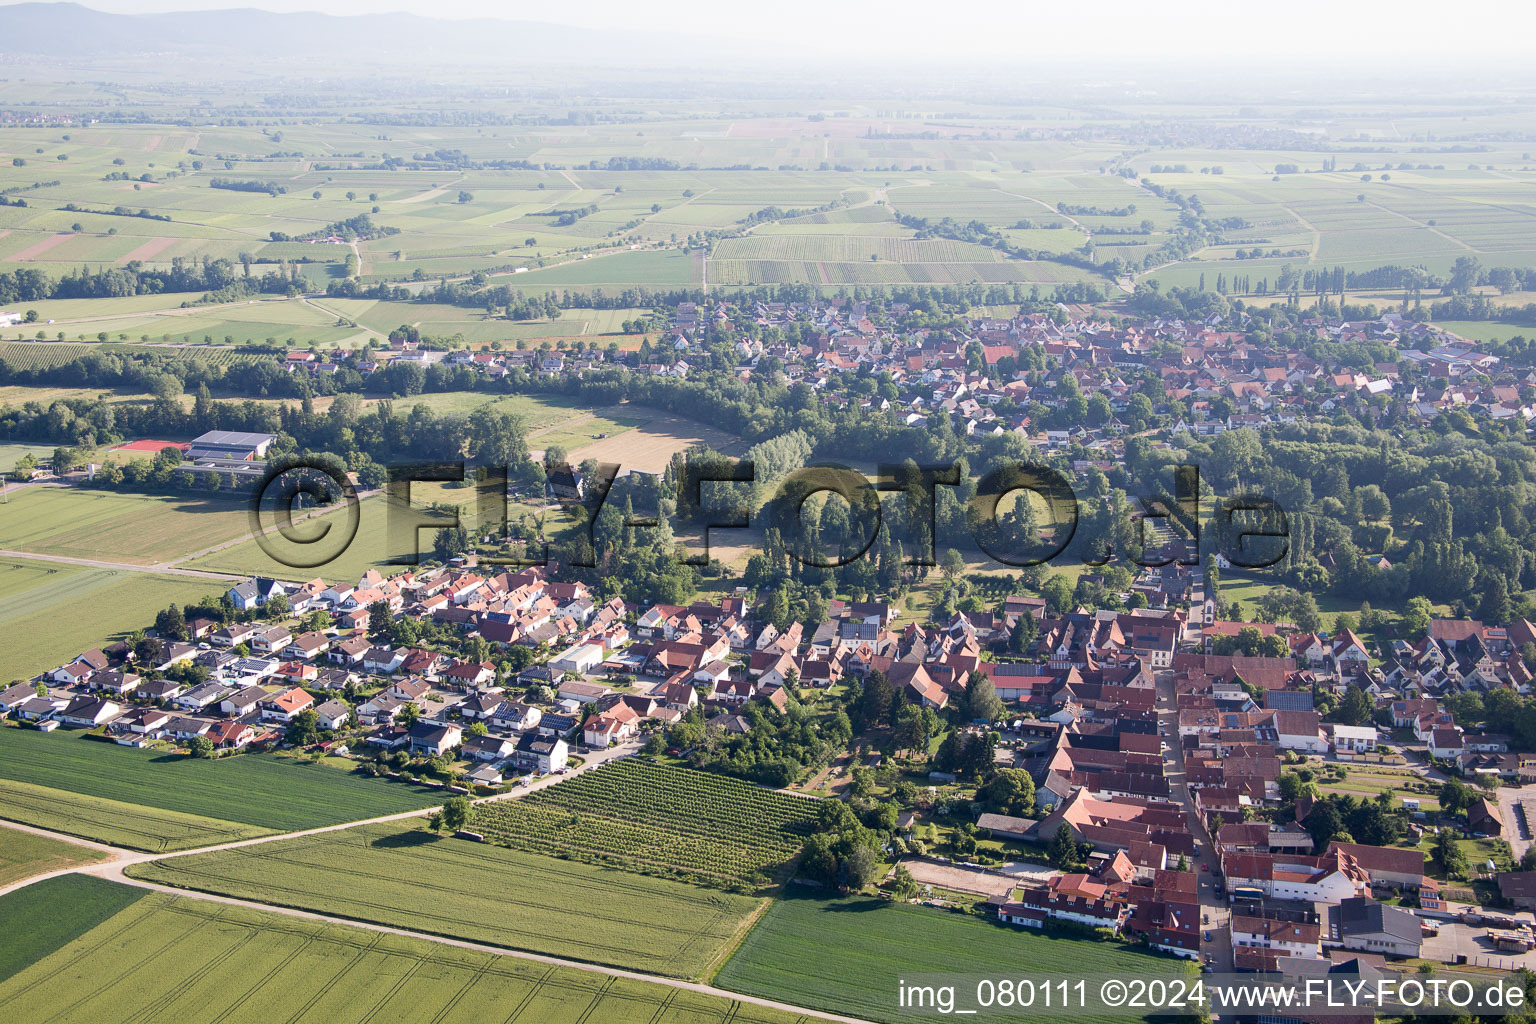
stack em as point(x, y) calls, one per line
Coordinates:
point(658, 820)
point(39, 355)
point(852, 248)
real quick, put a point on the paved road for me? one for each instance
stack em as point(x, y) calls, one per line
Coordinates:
point(1205, 864)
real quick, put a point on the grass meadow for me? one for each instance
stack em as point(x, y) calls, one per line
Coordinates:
point(383, 536)
point(118, 527)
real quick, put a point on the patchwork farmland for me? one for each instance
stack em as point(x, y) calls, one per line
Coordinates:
point(265, 793)
point(476, 891)
point(178, 959)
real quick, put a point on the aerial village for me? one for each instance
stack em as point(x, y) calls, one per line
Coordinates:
point(1189, 773)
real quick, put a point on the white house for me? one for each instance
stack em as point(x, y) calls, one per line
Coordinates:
point(1287, 938)
point(541, 753)
point(333, 714)
point(1445, 743)
point(1300, 730)
point(1354, 739)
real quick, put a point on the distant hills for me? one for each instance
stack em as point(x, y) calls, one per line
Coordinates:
point(69, 30)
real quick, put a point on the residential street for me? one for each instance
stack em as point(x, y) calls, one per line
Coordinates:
point(1205, 863)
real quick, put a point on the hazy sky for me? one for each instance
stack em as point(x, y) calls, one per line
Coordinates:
point(1349, 30)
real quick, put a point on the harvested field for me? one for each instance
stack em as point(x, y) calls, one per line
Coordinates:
point(648, 448)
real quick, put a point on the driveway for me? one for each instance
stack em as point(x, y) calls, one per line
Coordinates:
point(591, 759)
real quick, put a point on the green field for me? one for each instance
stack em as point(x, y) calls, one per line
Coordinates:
point(10, 454)
point(660, 820)
point(135, 826)
point(846, 955)
point(23, 855)
point(1007, 170)
point(50, 612)
point(45, 917)
point(373, 547)
point(174, 959)
point(118, 527)
point(1485, 330)
point(264, 793)
point(400, 875)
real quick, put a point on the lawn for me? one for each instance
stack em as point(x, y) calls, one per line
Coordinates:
point(111, 527)
point(23, 855)
point(12, 453)
point(398, 874)
point(259, 790)
point(168, 960)
point(846, 955)
point(660, 820)
point(1485, 330)
point(51, 612)
point(1364, 782)
point(1248, 590)
point(1476, 852)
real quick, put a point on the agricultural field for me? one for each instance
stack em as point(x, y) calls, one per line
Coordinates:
point(340, 560)
point(1485, 330)
point(137, 827)
point(582, 431)
point(649, 447)
point(49, 915)
point(659, 820)
point(398, 874)
point(156, 802)
point(118, 527)
point(42, 619)
point(211, 332)
point(38, 355)
point(176, 959)
point(24, 854)
point(845, 955)
point(973, 167)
